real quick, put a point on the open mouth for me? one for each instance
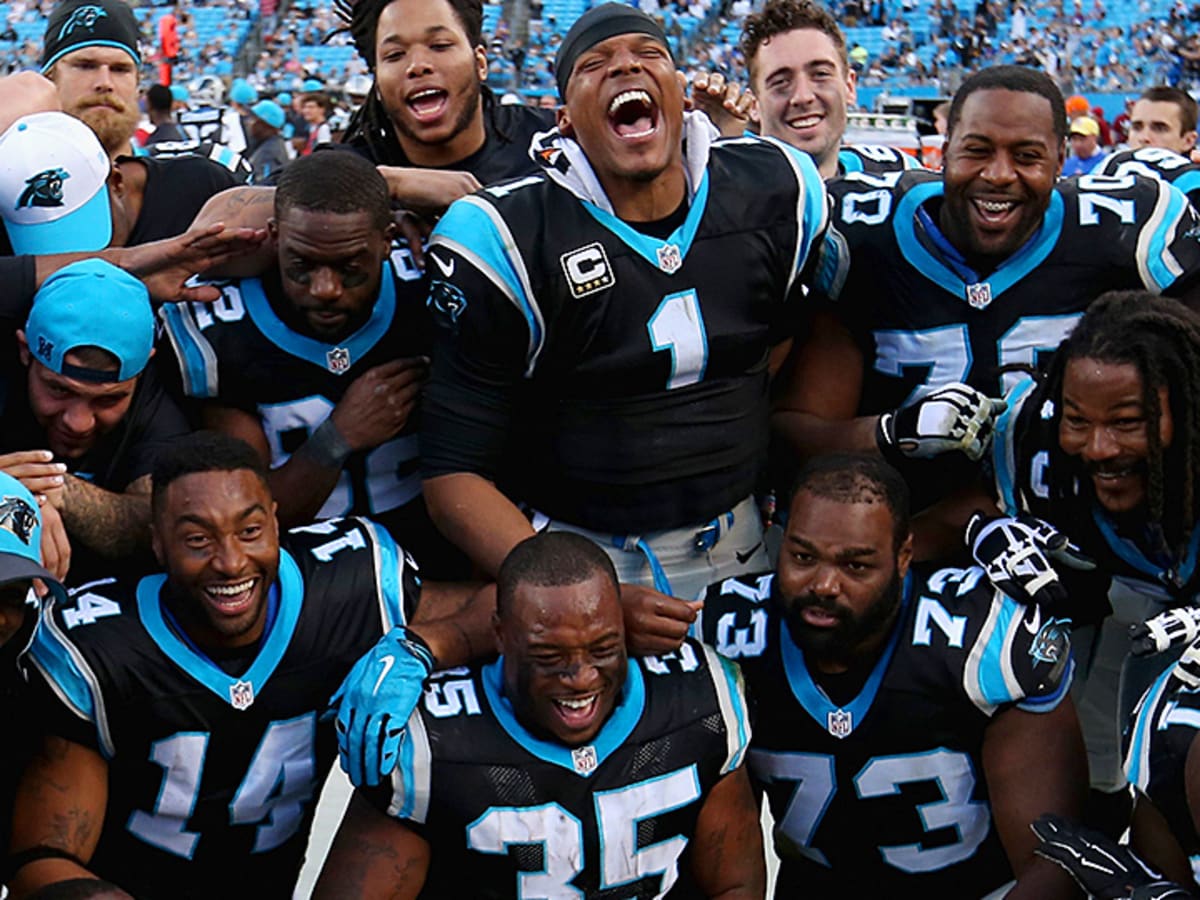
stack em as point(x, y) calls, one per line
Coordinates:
point(817, 617)
point(576, 712)
point(429, 104)
point(805, 122)
point(232, 598)
point(995, 212)
point(633, 115)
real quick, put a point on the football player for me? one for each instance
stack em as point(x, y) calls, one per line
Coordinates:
point(563, 768)
point(1156, 162)
point(318, 364)
point(803, 86)
point(185, 735)
point(1105, 447)
point(908, 727)
point(937, 279)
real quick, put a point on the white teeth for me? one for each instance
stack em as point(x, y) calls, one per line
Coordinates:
point(805, 121)
point(995, 206)
point(628, 97)
point(230, 590)
point(576, 704)
point(421, 95)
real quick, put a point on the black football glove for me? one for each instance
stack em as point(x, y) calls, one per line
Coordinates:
point(954, 417)
point(1018, 555)
point(1172, 628)
point(1102, 867)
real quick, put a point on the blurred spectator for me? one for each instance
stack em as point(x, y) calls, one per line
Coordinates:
point(1084, 135)
point(159, 103)
point(270, 149)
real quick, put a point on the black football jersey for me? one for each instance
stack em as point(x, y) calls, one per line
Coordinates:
point(1156, 162)
point(620, 378)
point(239, 353)
point(213, 777)
point(1023, 449)
point(218, 153)
point(885, 796)
point(510, 815)
point(923, 319)
point(874, 159)
point(1162, 728)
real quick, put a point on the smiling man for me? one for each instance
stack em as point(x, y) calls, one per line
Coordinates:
point(877, 689)
point(1104, 448)
point(564, 768)
point(604, 326)
point(803, 85)
point(185, 736)
point(318, 364)
point(430, 106)
point(938, 279)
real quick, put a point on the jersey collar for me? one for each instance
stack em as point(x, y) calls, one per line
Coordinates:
point(1173, 578)
point(314, 351)
point(237, 692)
point(810, 696)
point(951, 274)
point(625, 716)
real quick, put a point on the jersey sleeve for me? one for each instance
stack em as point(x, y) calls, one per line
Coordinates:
point(812, 211)
point(489, 333)
point(195, 358)
point(1005, 464)
point(1000, 652)
point(1158, 227)
point(733, 619)
point(406, 797)
point(730, 690)
point(75, 709)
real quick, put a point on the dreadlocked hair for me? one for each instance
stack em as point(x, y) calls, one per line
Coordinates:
point(1160, 337)
point(371, 121)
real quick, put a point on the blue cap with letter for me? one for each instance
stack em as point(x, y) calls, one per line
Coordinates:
point(91, 303)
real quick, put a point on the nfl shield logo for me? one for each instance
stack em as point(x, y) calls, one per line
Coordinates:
point(241, 695)
point(840, 723)
point(584, 760)
point(337, 360)
point(669, 258)
point(979, 295)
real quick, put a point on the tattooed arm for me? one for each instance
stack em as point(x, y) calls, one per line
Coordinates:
point(241, 207)
point(374, 857)
point(727, 848)
point(59, 805)
point(113, 525)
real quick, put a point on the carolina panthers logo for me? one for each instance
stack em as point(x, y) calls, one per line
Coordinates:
point(1052, 643)
point(446, 301)
point(43, 189)
point(83, 17)
point(18, 517)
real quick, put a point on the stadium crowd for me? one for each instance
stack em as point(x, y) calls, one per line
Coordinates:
point(588, 451)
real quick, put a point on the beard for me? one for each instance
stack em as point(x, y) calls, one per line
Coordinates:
point(113, 126)
point(842, 641)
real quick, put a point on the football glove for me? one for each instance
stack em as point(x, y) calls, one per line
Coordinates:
point(954, 417)
point(1018, 555)
point(375, 701)
point(1166, 630)
point(1102, 867)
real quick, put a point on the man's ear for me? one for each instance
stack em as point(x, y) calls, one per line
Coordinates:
point(22, 347)
point(116, 181)
point(563, 119)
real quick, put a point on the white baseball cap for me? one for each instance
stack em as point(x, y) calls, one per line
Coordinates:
point(54, 185)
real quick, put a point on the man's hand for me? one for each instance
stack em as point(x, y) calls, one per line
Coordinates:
point(165, 266)
point(428, 191)
point(953, 418)
point(25, 93)
point(1102, 867)
point(414, 229)
point(1172, 628)
point(654, 622)
point(374, 704)
point(1018, 555)
point(36, 469)
point(376, 406)
point(56, 548)
point(724, 102)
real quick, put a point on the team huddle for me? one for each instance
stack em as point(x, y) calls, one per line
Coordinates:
point(593, 485)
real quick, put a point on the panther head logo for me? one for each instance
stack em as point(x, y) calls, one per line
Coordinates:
point(17, 516)
point(43, 189)
point(83, 17)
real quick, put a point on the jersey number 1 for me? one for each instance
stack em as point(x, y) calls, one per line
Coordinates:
point(678, 325)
